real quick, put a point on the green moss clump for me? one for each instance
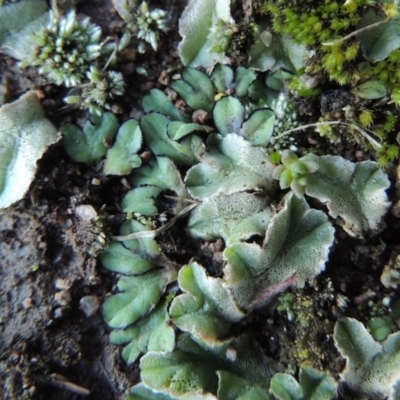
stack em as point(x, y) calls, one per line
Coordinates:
point(389, 150)
point(322, 26)
point(310, 318)
point(315, 23)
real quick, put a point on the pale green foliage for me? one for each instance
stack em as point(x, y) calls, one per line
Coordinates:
point(65, 48)
point(123, 157)
point(161, 174)
point(141, 200)
point(88, 146)
point(17, 24)
point(144, 23)
point(226, 79)
point(258, 128)
point(285, 387)
point(155, 128)
point(293, 171)
point(151, 333)
point(313, 385)
point(134, 256)
point(228, 115)
point(141, 392)
point(196, 88)
point(232, 387)
point(276, 52)
point(205, 27)
point(295, 248)
point(378, 42)
point(235, 217)
point(253, 274)
point(25, 134)
point(370, 90)
point(205, 309)
point(239, 102)
point(149, 24)
point(191, 369)
point(157, 101)
point(177, 129)
point(172, 126)
point(353, 191)
point(372, 369)
point(379, 327)
point(230, 185)
point(118, 258)
point(231, 165)
point(137, 297)
point(141, 289)
point(285, 118)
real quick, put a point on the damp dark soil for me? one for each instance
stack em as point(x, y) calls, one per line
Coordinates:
point(54, 343)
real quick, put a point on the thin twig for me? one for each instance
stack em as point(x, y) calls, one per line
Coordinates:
point(152, 234)
point(56, 9)
point(301, 128)
point(62, 382)
point(109, 39)
point(376, 145)
point(179, 198)
point(366, 28)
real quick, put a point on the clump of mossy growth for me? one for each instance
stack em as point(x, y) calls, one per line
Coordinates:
point(324, 26)
point(382, 316)
point(387, 72)
point(318, 24)
point(310, 319)
point(389, 150)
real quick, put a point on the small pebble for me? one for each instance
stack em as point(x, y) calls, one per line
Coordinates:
point(61, 284)
point(58, 313)
point(200, 117)
point(89, 305)
point(117, 108)
point(231, 354)
point(27, 303)
point(164, 78)
point(96, 181)
point(63, 297)
point(86, 212)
